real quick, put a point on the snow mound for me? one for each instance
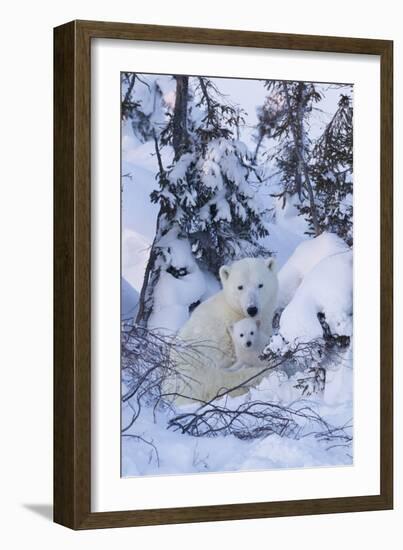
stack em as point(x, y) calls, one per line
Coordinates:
point(327, 288)
point(287, 215)
point(129, 300)
point(135, 253)
point(175, 293)
point(305, 257)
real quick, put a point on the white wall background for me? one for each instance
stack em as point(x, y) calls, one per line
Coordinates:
point(26, 274)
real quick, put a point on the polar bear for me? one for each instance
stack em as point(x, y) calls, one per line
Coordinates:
point(248, 342)
point(249, 289)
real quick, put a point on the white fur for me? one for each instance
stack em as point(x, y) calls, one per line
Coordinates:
point(250, 288)
point(248, 343)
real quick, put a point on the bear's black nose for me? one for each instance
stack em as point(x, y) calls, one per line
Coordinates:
point(249, 344)
point(252, 310)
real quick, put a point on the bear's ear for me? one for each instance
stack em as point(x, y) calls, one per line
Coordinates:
point(271, 264)
point(224, 272)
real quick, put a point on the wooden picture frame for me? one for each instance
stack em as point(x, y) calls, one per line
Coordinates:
point(72, 272)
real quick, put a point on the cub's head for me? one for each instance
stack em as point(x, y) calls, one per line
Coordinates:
point(249, 285)
point(245, 333)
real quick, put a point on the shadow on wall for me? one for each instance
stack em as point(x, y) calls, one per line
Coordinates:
point(44, 510)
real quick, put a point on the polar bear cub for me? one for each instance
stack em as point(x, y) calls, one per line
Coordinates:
point(248, 341)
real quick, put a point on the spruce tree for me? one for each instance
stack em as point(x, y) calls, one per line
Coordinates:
point(159, 258)
point(142, 104)
point(283, 118)
point(211, 186)
point(332, 172)
point(207, 196)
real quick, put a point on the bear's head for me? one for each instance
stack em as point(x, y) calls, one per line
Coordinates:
point(245, 333)
point(250, 285)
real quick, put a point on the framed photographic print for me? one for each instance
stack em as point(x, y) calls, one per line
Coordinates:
point(223, 275)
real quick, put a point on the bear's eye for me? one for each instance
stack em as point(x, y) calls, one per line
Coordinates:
point(251, 333)
point(261, 285)
point(241, 335)
point(240, 287)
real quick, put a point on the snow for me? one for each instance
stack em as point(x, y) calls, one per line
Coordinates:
point(305, 257)
point(135, 253)
point(172, 295)
point(198, 455)
point(138, 156)
point(178, 172)
point(224, 153)
point(188, 455)
point(167, 85)
point(211, 174)
point(325, 288)
point(154, 93)
point(223, 208)
point(139, 214)
point(129, 301)
point(339, 384)
point(212, 286)
point(287, 218)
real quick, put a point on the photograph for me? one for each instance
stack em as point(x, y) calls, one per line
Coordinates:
point(236, 274)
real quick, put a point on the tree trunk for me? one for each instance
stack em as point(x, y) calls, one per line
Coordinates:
point(258, 145)
point(145, 298)
point(179, 133)
point(297, 134)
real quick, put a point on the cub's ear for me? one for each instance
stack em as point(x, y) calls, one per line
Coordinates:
point(230, 329)
point(258, 323)
point(224, 272)
point(271, 264)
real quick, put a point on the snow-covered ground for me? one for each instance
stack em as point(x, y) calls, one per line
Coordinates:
point(322, 282)
point(315, 276)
